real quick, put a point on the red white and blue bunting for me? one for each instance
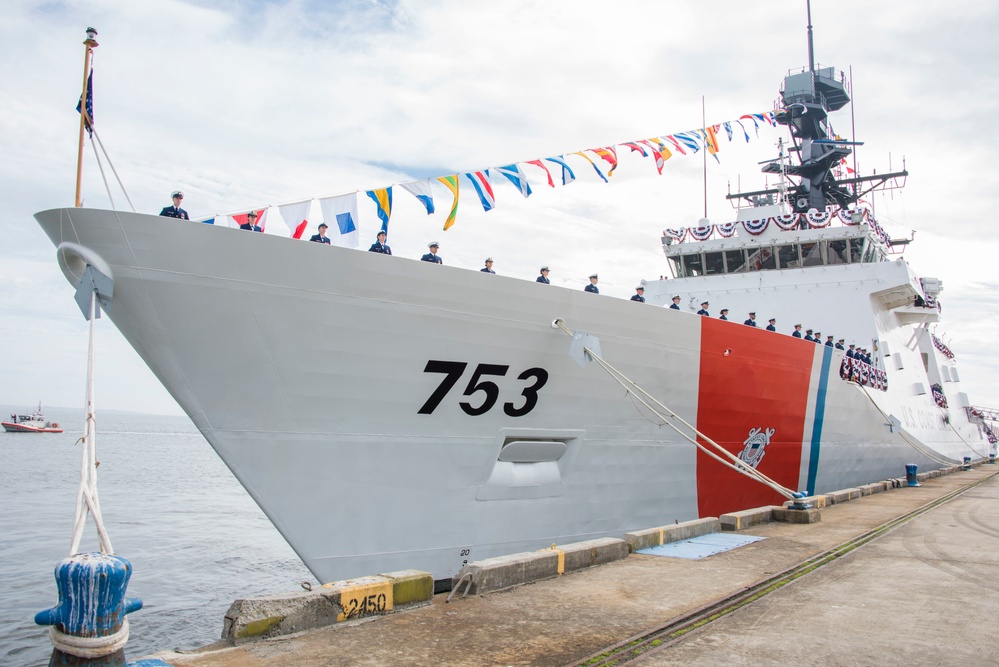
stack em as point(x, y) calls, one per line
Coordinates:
point(818, 219)
point(701, 233)
point(677, 235)
point(726, 230)
point(787, 221)
point(938, 395)
point(939, 344)
point(861, 372)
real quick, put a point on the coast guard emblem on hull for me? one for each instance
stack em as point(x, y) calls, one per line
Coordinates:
point(755, 445)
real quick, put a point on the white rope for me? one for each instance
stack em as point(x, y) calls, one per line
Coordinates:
point(86, 496)
point(113, 170)
point(90, 647)
point(107, 186)
point(720, 454)
point(984, 456)
point(918, 446)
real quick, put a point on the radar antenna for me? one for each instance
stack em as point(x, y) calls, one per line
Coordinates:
point(807, 98)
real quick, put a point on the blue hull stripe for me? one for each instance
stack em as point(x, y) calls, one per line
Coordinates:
point(820, 408)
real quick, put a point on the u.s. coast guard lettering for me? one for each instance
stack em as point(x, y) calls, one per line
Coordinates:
point(755, 445)
point(453, 371)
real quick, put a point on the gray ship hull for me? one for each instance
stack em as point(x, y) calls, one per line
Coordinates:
point(369, 403)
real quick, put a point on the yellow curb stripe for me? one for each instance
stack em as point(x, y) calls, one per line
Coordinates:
point(365, 600)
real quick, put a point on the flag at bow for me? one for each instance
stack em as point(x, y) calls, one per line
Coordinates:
point(567, 175)
point(515, 175)
point(421, 190)
point(659, 150)
point(296, 216)
point(343, 210)
point(244, 218)
point(608, 154)
point(592, 164)
point(88, 117)
point(480, 181)
point(711, 141)
point(451, 182)
point(383, 200)
point(541, 164)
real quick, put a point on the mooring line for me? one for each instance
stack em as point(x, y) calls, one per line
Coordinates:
point(673, 631)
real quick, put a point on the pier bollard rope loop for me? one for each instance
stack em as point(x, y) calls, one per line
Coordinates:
point(89, 620)
point(89, 647)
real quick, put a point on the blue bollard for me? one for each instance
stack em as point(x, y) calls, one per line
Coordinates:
point(799, 501)
point(992, 459)
point(967, 463)
point(910, 474)
point(89, 621)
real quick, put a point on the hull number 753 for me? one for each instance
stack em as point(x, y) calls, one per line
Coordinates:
point(453, 370)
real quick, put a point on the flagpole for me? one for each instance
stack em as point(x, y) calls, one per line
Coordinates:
point(90, 43)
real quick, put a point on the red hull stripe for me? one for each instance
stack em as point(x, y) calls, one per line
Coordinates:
point(753, 395)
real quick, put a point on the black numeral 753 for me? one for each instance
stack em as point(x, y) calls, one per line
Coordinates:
point(453, 371)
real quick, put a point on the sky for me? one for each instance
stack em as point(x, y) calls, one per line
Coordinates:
point(249, 104)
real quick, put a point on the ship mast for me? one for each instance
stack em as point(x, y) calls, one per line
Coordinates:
point(85, 119)
point(807, 98)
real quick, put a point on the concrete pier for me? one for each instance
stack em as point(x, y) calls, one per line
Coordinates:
point(923, 590)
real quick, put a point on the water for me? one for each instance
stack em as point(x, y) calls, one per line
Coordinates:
point(195, 539)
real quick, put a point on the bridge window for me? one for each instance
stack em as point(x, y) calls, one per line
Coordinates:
point(768, 258)
point(789, 256)
point(693, 265)
point(735, 261)
point(856, 249)
point(714, 262)
point(811, 254)
point(837, 252)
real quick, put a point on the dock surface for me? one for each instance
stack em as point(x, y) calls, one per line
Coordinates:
point(919, 589)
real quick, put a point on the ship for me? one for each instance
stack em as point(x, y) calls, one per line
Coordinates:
point(428, 416)
point(33, 423)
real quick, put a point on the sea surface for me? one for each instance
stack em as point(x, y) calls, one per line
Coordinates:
point(195, 538)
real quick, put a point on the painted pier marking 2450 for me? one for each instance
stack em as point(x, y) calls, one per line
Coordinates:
point(453, 371)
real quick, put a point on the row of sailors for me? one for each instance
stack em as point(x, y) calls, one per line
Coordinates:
point(379, 246)
point(854, 352)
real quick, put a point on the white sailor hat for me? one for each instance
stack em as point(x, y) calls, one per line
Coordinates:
point(433, 244)
point(488, 259)
point(640, 287)
point(593, 275)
